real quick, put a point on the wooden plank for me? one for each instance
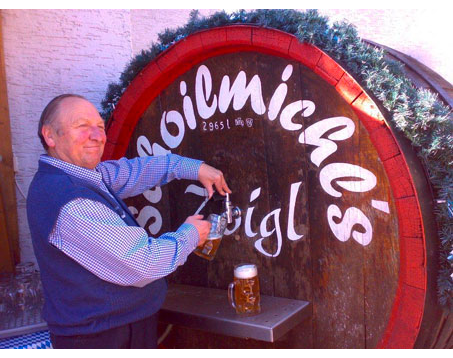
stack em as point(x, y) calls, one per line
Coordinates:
point(7, 259)
point(444, 338)
point(180, 203)
point(338, 279)
point(381, 257)
point(417, 69)
point(9, 242)
point(229, 149)
point(287, 180)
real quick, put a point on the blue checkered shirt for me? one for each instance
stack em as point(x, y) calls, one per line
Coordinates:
point(97, 238)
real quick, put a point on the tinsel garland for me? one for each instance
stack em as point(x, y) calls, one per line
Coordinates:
point(418, 113)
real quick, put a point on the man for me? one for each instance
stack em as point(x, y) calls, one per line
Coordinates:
point(103, 277)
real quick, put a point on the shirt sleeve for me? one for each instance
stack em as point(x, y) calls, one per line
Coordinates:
point(130, 177)
point(98, 239)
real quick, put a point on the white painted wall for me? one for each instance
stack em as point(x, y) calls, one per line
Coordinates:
point(50, 52)
point(424, 34)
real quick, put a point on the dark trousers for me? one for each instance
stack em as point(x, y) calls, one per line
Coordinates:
point(139, 335)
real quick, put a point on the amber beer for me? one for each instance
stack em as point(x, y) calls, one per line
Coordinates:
point(209, 249)
point(244, 292)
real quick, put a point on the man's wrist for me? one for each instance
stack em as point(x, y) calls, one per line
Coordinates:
point(191, 233)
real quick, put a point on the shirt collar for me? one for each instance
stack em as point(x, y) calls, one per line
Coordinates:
point(91, 175)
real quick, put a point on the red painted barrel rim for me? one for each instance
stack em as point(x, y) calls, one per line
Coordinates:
point(408, 306)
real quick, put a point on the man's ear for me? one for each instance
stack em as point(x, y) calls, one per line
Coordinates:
point(48, 135)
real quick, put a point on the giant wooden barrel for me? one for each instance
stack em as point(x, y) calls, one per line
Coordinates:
point(336, 207)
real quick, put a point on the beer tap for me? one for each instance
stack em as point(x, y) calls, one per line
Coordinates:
point(230, 211)
point(219, 224)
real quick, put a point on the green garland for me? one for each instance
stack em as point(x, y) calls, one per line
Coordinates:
point(418, 113)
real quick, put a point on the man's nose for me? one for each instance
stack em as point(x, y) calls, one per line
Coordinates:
point(97, 134)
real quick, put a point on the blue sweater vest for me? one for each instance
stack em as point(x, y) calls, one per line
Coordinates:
point(77, 301)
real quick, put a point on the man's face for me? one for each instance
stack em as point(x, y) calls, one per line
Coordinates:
point(77, 135)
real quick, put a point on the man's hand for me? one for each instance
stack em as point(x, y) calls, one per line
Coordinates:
point(209, 176)
point(203, 227)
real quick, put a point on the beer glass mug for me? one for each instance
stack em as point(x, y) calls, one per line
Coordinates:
point(25, 292)
point(244, 291)
point(25, 267)
point(218, 226)
point(6, 294)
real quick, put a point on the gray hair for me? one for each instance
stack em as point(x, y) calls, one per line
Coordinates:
point(49, 113)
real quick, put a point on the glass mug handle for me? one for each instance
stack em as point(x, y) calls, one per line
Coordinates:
point(231, 295)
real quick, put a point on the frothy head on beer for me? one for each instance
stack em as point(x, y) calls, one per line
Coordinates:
point(245, 271)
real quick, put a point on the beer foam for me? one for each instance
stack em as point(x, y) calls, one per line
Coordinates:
point(246, 271)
